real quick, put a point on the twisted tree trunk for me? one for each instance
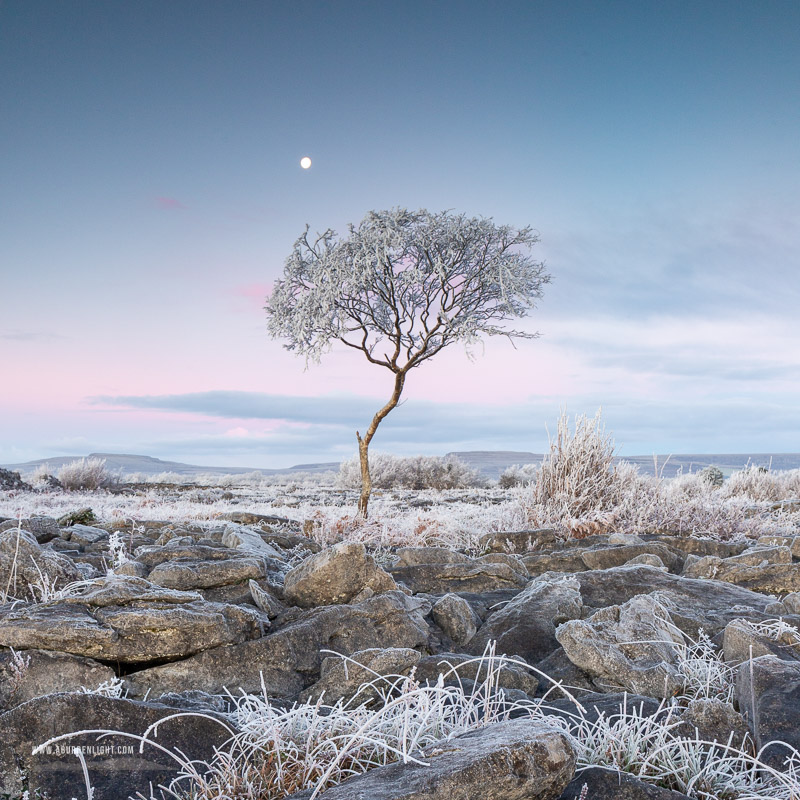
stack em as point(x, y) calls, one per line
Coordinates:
point(363, 444)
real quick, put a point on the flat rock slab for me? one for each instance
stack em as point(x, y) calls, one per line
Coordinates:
point(116, 768)
point(516, 760)
point(468, 576)
point(128, 634)
point(195, 574)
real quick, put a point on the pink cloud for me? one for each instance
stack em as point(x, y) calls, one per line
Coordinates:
point(169, 202)
point(254, 290)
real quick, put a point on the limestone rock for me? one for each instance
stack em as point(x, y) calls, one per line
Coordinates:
point(25, 563)
point(33, 673)
point(45, 529)
point(518, 541)
point(116, 767)
point(335, 575)
point(192, 574)
point(768, 693)
point(632, 647)
point(610, 784)
point(457, 667)
point(742, 641)
point(694, 603)
point(341, 678)
point(112, 621)
point(516, 760)
point(454, 615)
point(289, 659)
point(526, 626)
point(413, 556)
point(469, 576)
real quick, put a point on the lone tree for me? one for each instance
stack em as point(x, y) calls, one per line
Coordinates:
point(401, 287)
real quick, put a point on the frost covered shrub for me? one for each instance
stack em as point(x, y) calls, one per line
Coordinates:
point(712, 475)
point(413, 472)
point(518, 475)
point(86, 473)
point(758, 483)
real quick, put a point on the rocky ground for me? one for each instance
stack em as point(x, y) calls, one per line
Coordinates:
point(115, 626)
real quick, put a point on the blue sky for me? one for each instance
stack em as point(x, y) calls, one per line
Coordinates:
point(150, 190)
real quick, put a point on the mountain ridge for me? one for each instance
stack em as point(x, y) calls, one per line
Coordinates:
point(489, 463)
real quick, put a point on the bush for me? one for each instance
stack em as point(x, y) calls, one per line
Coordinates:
point(86, 473)
point(712, 475)
point(518, 475)
point(413, 472)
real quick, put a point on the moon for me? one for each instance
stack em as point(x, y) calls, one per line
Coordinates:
point(305, 162)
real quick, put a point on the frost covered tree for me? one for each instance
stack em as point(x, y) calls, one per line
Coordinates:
point(401, 287)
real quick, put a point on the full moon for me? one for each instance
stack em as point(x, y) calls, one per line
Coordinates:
point(305, 162)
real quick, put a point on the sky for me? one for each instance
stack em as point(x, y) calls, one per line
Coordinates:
point(150, 192)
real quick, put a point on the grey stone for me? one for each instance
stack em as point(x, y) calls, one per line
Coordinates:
point(454, 615)
point(526, 626)
point(115, 766)
point(632, 647)
point(25, 564)
point(413, 556)
point(470, 576)
point(249, 541)
point(335, 575)
point(457, 667)
point(742, 641)
point(694, 603)
point(32, 673)
point(516, 760)
point(768, 694)
point(192, 574)
point(84, 535)
point(340, 678)
point(112, 622)
point(611, 784)
point(518, 541)
point(289, 659)
point(45, 529)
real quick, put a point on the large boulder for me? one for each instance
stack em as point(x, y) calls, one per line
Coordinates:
point(128, 620)
point(116, 768)
point(743, 640)
point(454, 615)
point(631, 647)
point(526, 626)
point(335, 575)
point(517, 760)
point(286, 661)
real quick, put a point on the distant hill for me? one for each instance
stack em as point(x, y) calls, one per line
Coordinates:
point(127, 464)
point(489, 463)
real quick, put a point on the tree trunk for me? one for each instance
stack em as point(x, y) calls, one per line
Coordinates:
point(363, 444)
